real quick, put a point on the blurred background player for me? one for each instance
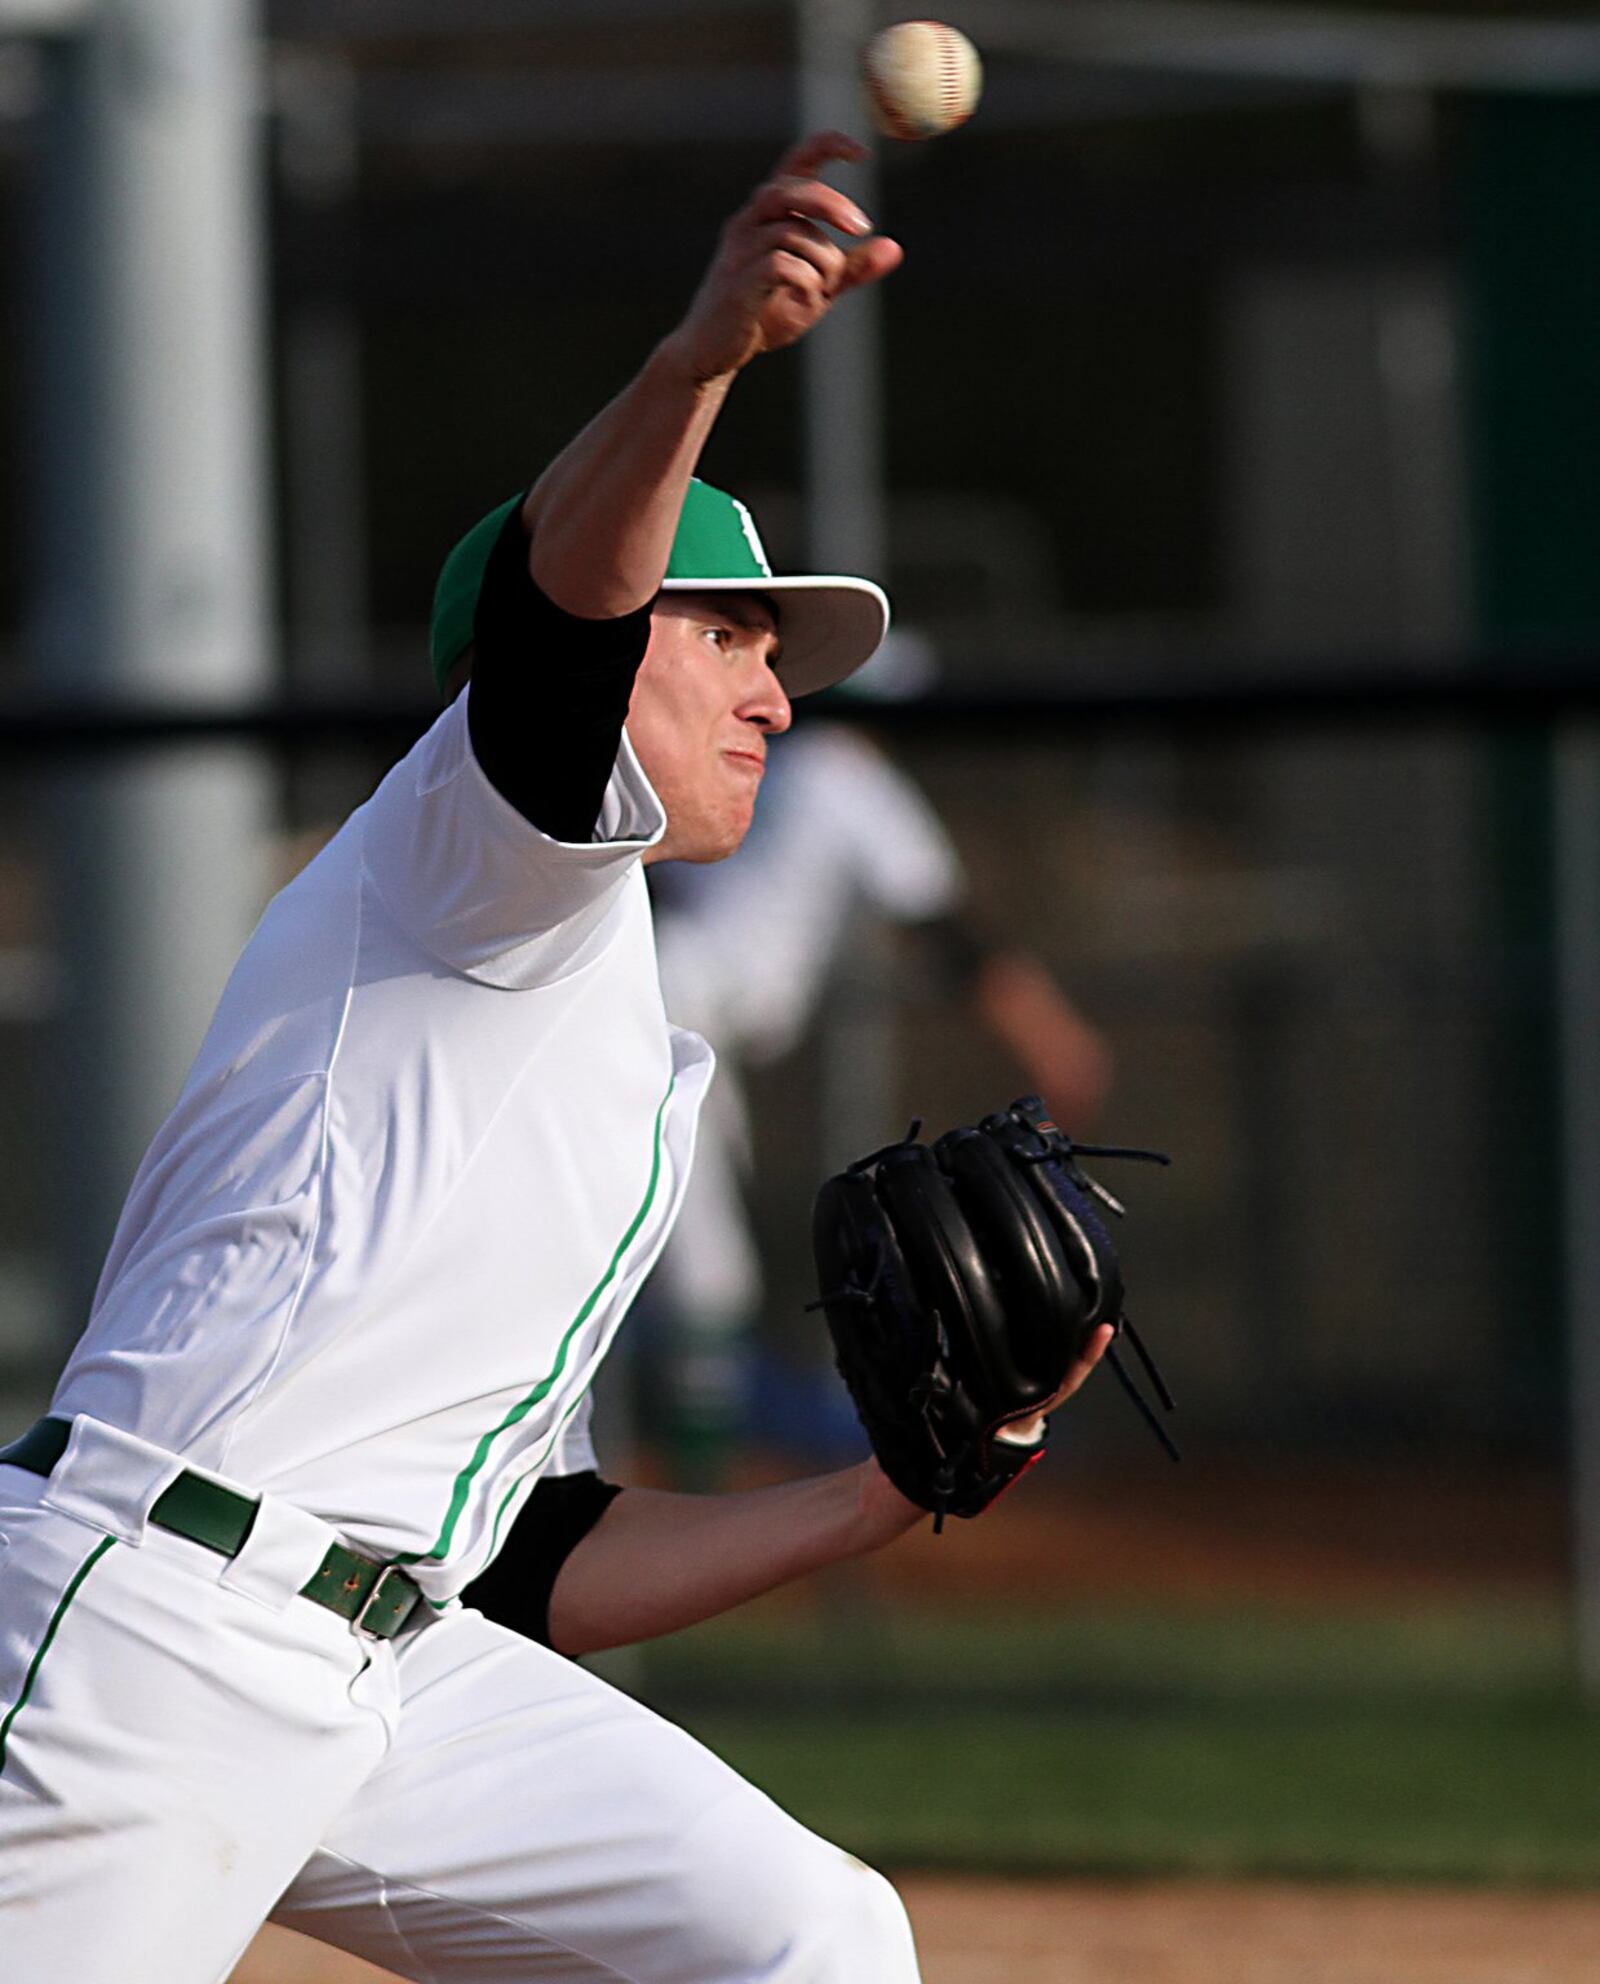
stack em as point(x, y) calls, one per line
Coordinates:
point(752, 954)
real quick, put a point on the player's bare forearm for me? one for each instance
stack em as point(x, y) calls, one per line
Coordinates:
point(1066, 1058)
point(656, 1562)
point(602, 516)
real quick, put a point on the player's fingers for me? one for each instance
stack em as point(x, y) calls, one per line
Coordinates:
point(1086, 1360)
point(1097, 1346)
point(809, 243)
point(807, 199)
point(781, 270)
point(806, 159)
point(870, 262)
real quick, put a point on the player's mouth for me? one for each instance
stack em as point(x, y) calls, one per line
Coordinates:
point(754, 762)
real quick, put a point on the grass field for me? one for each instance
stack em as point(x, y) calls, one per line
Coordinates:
point(1240, 1792)
point(1432, 1743)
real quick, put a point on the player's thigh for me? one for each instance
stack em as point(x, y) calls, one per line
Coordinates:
point(532, 1822)
point(169, 1751)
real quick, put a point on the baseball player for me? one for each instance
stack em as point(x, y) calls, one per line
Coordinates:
point(346, 1330)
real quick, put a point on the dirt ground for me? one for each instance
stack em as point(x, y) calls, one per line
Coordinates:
point(1367, 1534)
point(1220, 1933)
point(1323, 1534)
point(1075, 1932)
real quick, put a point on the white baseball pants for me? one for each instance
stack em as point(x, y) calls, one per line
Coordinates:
point(187, 1746)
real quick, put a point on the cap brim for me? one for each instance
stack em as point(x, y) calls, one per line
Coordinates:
point(827, 627)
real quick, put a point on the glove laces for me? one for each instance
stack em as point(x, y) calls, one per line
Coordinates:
point(1054, 1146)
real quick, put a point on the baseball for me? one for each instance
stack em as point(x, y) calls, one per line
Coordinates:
point(922, 77)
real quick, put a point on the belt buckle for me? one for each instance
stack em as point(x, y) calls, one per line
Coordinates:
point(401, 1607)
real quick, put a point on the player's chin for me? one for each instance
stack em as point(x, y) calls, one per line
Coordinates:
point(721, 834)
point(738, 809)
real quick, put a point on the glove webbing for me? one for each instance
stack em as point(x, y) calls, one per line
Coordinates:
point(1061, 1148)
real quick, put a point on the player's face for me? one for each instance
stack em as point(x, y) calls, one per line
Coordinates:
point(705, 702)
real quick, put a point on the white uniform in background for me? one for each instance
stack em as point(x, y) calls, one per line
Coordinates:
point(432, 1143)
point(748, 947)
point(750, 942)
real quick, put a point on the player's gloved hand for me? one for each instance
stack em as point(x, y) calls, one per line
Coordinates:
point(777, 270)
point(970, 1287)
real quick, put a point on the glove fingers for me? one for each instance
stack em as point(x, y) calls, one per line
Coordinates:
point(949, 1277)
point(1073, 1216)
point(867, 1290)
point(1085, 1236)
point(1041, 1296)
point(884, 1344)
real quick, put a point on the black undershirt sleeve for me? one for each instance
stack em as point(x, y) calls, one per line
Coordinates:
point(515, 1590)
point(550, 693)
point(955, 952)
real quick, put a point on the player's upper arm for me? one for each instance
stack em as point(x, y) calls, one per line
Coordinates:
point(515, 1590)
point(550, 693)
point(477, 886)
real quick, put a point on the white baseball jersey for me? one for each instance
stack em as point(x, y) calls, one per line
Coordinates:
point(433, 1140)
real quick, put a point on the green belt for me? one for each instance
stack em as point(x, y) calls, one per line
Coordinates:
point(377, 1598)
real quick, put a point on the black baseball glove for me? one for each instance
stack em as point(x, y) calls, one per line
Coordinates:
point(961, 1281)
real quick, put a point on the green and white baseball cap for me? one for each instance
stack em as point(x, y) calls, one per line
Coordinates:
point(827, 626)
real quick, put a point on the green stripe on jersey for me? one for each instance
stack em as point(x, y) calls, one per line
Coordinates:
point(56, 1617)
point(506, 1498)
point(520, 1411)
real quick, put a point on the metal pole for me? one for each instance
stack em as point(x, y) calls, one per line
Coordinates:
point(1577, 778)
point(325, 547)
point(847, 531)
point(154, 565)
point(846, 520)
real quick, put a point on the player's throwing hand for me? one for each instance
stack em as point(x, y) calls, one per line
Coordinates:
point(777, 271)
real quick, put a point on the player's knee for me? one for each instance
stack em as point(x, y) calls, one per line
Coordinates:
point(789, 1906)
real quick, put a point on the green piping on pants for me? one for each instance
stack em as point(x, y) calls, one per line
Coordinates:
point(57, 1616)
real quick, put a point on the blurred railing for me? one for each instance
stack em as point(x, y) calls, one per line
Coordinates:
point(1283, 903)
point(1295, 912)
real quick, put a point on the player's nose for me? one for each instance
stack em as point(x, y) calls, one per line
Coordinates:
point(766, 702)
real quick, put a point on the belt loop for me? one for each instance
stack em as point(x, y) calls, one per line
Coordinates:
point(283, 1549)
point(128, 1484)
point(109, 1480)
